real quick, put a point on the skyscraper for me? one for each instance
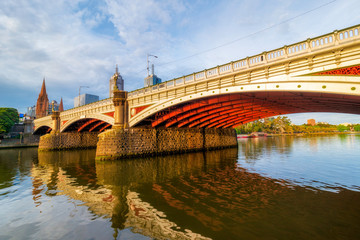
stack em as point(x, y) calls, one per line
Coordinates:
point(84, 99)
point(119, 82)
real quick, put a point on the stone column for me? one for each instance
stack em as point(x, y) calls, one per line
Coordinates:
point(55, 121)
point(120, 104)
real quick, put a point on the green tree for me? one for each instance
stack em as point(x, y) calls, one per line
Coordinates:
point(342, 128)
point(8, 117)
point(357, 127)
point(282, 124)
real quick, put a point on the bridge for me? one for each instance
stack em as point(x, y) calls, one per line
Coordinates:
point(321, 74)
point(200, 110)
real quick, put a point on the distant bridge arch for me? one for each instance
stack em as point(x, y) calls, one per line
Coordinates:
point(89, 122)
point(41, 130)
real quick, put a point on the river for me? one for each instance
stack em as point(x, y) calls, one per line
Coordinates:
point(285, 187)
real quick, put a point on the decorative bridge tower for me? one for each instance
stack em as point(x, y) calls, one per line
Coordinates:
point(120, 103)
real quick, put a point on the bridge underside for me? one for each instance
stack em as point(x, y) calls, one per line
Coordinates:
point(42, 130)
point(232, 110)
point(88, 125)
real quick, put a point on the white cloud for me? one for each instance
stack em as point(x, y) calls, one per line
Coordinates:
point(44, 38)
point(78, 42)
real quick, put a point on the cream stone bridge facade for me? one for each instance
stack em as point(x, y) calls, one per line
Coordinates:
point(320, 74)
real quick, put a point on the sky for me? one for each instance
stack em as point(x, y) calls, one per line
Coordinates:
point(73, 43)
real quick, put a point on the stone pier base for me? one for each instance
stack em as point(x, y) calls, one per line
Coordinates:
point(132, 142)
point(70, 140)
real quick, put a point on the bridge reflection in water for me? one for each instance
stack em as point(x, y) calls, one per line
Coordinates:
point(196, 196)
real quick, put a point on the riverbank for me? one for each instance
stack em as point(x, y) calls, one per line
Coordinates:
point(255, 135)
point(7, 146)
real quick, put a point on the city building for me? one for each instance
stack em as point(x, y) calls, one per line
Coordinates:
point(42, 104)
point(119, 82)
point(31, 112)
point(85, 99)
point(311, 122)
point(152, 79)
point(53, 104)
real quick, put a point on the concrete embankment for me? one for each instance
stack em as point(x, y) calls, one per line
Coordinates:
point(7, 146)
point(27, 140)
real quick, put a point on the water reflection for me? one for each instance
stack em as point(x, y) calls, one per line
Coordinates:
point(129, 178)
point(211, 195)
point(73, 173)
point(254, 148)
point(15, 165)
point(326, 162)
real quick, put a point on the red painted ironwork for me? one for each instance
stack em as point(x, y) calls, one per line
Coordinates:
point(251, 117)
point(196, 105)
point(87, 123)
point(235, 109)
point(349, 71)
point(105, 127)
point(110, 114)
point(96, 125)
point(197, 108)
point(134, 111)
point(246, 120)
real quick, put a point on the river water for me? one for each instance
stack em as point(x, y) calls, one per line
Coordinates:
point(269, 188)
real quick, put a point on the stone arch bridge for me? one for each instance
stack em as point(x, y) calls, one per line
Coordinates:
point(320, 74)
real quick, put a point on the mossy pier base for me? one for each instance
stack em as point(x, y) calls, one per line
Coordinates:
point(132, 142)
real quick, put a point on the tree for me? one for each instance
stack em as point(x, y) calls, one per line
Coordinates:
point(357, 127)
point(342, 128)
point(282, 124)
point(8, 117)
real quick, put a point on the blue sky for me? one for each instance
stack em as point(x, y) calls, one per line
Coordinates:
point(79, 42)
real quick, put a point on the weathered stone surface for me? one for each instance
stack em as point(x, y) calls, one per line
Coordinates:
point(71, 140)
point(123, 143)
point(131, 142)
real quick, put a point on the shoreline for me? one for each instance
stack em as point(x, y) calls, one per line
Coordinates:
point(18, 146)
point(251, 135)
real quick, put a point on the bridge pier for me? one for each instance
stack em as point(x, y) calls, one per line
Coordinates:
point(124, 142)
point(134, 142)
point(55, 117)
point(120, 105)
point(60, 141)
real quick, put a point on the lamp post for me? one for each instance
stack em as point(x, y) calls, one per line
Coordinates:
point(147, 58)
point(79, 92)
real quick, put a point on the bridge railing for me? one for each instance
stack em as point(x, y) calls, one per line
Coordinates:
point(86, 108)
point(44, 121)
point(293, 50)
point(82, 110)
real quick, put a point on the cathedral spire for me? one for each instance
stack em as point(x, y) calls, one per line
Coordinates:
point(43, 88)
point(42, 104)
point(61, 106)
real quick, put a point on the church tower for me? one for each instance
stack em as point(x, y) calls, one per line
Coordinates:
point(61, 106)
point(42, 103)
point(119, 82)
